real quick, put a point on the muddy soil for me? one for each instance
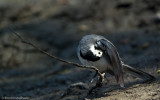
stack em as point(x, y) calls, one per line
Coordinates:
point(56, 26)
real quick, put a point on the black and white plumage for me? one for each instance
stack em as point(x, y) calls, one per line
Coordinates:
point(96, 50)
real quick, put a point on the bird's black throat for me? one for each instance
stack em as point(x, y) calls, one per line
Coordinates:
point(89, 56)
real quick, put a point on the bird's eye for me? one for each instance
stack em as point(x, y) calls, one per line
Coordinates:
point(99, 52)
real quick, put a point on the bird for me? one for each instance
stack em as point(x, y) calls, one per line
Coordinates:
point(96, 50)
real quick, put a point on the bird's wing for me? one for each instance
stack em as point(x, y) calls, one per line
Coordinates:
point(110, 50)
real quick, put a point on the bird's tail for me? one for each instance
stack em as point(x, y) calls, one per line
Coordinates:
point(138, 73)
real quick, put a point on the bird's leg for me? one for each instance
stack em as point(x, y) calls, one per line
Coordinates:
point(106, 80)
point(93, 77)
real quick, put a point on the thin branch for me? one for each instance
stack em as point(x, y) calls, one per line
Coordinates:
point(101, 77)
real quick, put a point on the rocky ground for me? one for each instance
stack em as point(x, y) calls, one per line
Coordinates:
point(57, 26)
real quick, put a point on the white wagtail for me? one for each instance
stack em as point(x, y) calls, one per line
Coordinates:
point(96, 50)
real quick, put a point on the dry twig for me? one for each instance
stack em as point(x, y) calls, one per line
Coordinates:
point(101, 77)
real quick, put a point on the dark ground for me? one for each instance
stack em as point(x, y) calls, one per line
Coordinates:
point(57, 26)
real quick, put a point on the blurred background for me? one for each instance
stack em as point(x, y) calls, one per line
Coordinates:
point(57, 26)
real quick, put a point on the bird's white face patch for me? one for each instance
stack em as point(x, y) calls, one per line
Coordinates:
point(97, 53)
